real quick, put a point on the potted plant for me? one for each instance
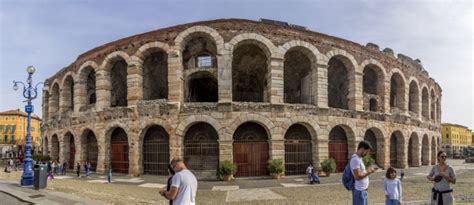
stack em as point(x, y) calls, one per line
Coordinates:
point(328, 166)
point(368, 160)
point(226, 170)
point(276, 168)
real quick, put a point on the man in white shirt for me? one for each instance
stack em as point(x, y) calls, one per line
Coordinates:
point(183, 185)
point(360, 195)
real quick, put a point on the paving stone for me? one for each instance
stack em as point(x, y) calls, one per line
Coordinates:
point(132, 180)
point(152, 185)
point(63, 177)
point(98, 181)
point(294, 185)
point(252, 195)
point(225, 188)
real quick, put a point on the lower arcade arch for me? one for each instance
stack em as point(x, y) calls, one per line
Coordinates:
point(119, 151)
point(251, 150)
point(156, 151)
point(298, 150)
point(201, 149)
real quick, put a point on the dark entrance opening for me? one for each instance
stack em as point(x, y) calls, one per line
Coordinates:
point(156, 151)
point(119, 151)
point(298, 150)
point(201, 150)
point(338, 148)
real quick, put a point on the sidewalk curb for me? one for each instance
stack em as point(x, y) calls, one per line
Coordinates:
point(19, 199)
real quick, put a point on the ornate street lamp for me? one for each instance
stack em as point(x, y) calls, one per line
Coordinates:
point(30, 94)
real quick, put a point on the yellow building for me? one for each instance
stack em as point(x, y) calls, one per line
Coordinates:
point(455, 137)
point(13, 125)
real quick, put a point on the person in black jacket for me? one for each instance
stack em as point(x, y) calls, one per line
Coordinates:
point(78, 169)
point(171, 174)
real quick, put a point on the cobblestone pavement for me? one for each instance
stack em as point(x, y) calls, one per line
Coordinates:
point(290, 190)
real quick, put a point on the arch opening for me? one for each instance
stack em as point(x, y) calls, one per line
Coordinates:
point(156, 151)
point(297, 77)
point(118, 75)
point(202, 87)
point(338, 147)
point(251, 150)
point(201, 149)
point(119, 151)
point(298, 150)
point(155, 76)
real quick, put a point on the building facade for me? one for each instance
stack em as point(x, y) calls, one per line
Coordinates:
point(13, 125)
point(456, 138)
point(239, 90)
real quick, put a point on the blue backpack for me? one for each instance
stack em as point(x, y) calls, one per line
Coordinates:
point(348, 179)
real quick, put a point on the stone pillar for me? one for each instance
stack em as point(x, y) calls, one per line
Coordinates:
point(134, 161)
point(80, 92)
point(134, 83)
point(175, 75)
point(45, 104)
point(103, 89)
point(406, 100)
point(275, 83)
point(320, 151)
point(103, 159)
point(355, 92)
point(321, 76)
point(224, 77)
point(277, 149)
point(226, 150)
point(176, 146)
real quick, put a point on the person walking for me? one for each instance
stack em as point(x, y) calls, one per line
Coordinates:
point(392, 188)
point(183, 185)
point(53, 166)
point(109, 174)
point(313, 178)
point(170, 177)
point(64, 168)
point(78, 169)
point(443, 176)
point(85, 170)
point(360, 196)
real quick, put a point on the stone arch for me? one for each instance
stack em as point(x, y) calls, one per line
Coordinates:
point(263, 121)
point(182, 37)
point(298, 67)
point(67, 93)
point(115, 67)
point(199, 50)
point(341, 77)
point(264, 43)
point(414, 97)
point(341, 140)
point(89, 147)
point(251, 149)
point(375, 136)
point(397, 149)
point(201, 148)
point(425, 150)
point(151, 47)
point(251, 60)
point(373, 84)
point(155, 150)
point(119, 149)
point(397, 91)
point(154, 70)
point(298, 149)
point(201, 87)
point(86, 92)
point(414, 150)
point(185, 124)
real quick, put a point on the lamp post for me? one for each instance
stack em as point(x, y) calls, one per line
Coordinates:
point(30, 94)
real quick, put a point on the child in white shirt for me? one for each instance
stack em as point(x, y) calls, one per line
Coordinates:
point(392, 188)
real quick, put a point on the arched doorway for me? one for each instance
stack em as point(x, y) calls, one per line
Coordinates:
point(90, 150)
point(298, 150)
point(425, 151)
point(370, 137)
point(397, 92)
point(156, 151)
point(338, 82)
point(338, 148)
point(413, 151)
point(250, 150)
point(55, 148)
point(71, 148)
point(119, 151)
point(397, 153)
point(201, 149)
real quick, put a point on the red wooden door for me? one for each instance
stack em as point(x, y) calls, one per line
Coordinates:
point(120, 158)
point(338, 151)
point(251, 158)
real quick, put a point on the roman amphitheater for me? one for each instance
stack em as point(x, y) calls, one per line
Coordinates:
point(239, 90)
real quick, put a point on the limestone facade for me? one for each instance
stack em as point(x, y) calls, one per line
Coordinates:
point(329, 82)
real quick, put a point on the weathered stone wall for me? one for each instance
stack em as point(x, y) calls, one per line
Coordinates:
point(176, 115)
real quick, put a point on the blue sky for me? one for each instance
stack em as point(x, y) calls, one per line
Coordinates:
point(51, 34)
